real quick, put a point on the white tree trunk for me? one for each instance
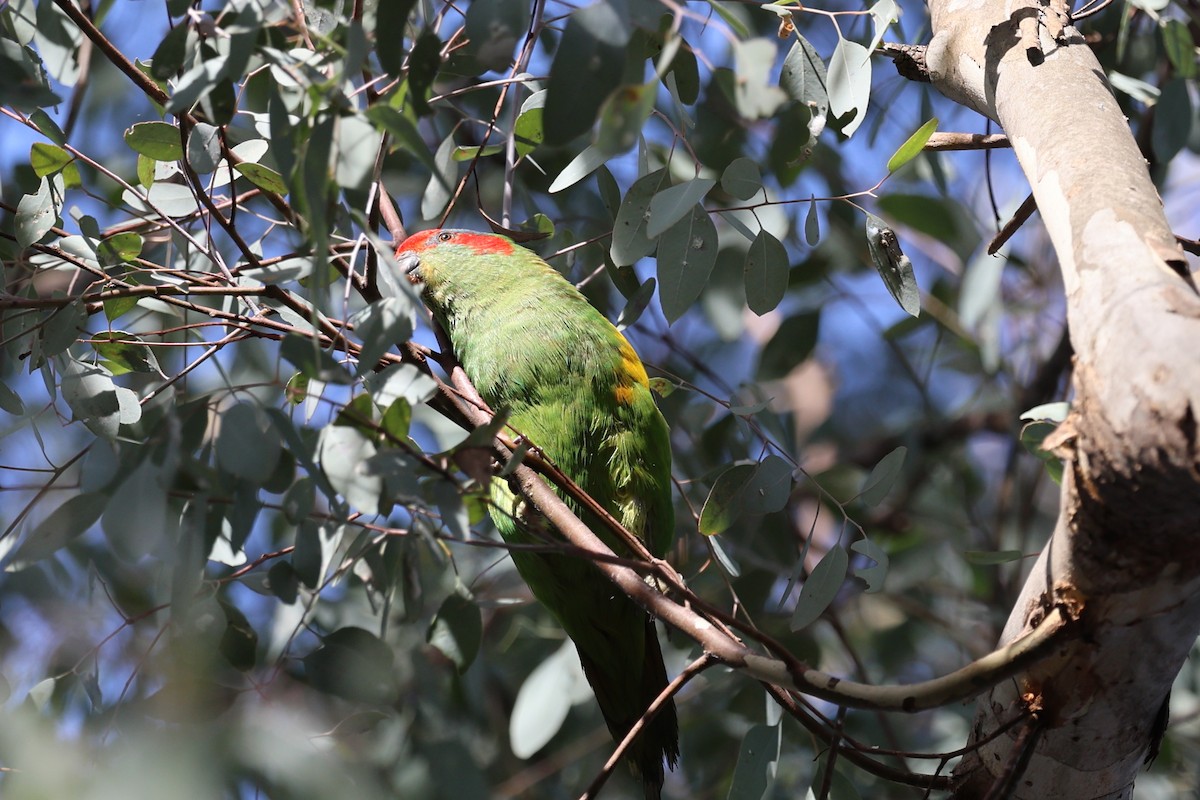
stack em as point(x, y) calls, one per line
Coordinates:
point(1125, 546)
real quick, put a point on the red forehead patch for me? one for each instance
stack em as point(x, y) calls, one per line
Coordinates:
point(481, 243)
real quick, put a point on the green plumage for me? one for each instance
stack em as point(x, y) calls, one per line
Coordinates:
point(534, 346)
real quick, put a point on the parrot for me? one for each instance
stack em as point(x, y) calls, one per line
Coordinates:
point(572, 385)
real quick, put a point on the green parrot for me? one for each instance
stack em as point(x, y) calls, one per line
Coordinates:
point(536, 348)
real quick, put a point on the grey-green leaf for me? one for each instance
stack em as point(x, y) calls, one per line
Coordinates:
point(355, 664)
point(248, 445)
point(37, 213)
point(893, 266)
point(543, 701)
point(586, 69)
point(686, 255)
point(742, 178)
point(343, 452)
point(96, 400)
point(766, 273)
point(457, 630)
point(381, 326)
point(877, 485)
point(63, 525)
point(821, 588)
point(674, 203)
point(873, 576)
point(630, 240)
point(791, 344)
point(850, 83)
point(756, 763)
point(584, 164)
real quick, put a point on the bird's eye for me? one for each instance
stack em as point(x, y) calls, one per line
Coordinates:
point(444, 236)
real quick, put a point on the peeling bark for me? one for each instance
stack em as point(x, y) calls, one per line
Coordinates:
point(1125, 541)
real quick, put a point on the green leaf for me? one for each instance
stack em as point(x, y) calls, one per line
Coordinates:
point(723, 505)
point(469, 153)
point(48, 127)
point(119, 248)
point(115, 307)
point(528, 129)
point(877, 485)
point(746, 488)
point(630, 241)
point(742, 178)
point(792, 344)
point(262, 177)
point(1181, 50)
point(893, 266)
point(1032, 437)
point(124, 352)
point(456, 630)
point(248, 446)
point(46, 159)
point(821, 588)
point(397, 419)
point(674, 203)
point(145, 171)
point(354, 664)
point(766, 273)
point(686, 255)
point(913, 146)
point(157, 140)
point(592, 49)
point(989, 558)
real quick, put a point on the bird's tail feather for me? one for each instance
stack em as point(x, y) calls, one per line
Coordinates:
point(623, 707)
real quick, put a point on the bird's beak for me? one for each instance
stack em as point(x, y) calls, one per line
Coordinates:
point(409, 264)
